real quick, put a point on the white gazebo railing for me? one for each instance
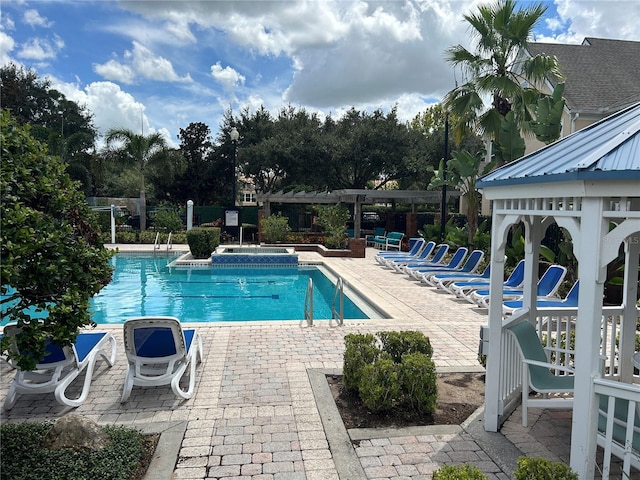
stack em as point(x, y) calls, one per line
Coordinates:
point(556, 330)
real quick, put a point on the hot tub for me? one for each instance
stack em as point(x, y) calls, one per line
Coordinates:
point(254, 257)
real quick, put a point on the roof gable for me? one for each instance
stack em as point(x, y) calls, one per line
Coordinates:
point(601, 75)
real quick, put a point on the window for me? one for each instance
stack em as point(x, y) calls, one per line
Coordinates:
point(248, 197)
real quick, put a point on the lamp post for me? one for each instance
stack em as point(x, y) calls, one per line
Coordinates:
point(234, 139)
point(443, 205)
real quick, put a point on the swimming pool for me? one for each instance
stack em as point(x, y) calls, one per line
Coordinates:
point(145, 285)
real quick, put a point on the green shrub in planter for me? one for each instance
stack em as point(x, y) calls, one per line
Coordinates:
point(397, 344)
point(418, 381)
point(203, 241)
point(459, 472)
point(391, 369)
point(542, 469)
point(360, 350)
point(275, 228)
point(379, 386)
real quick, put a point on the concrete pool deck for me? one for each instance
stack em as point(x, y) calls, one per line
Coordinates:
point(260, 410)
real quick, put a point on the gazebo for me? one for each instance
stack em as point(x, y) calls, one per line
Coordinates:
point(589, 184)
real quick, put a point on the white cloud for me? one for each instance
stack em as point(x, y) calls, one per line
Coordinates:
point(39, 49)
point(226, 76)
point(112, 70)
point(6, 46)
point(33, 18)
point(140, 61)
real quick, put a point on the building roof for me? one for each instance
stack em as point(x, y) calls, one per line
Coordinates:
point(606, 150)
point(601, 75)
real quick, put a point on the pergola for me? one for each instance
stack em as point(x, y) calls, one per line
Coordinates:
point(357, 197)
point(588, 183)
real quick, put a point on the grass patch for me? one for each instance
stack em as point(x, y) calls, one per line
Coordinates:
point(23, 458)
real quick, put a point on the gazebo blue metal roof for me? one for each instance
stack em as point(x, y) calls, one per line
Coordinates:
point(607, 150)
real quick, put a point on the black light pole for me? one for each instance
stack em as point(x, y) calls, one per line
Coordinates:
point(443, 206)
point(234, 139)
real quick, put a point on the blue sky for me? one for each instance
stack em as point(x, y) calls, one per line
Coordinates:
point(160, 65)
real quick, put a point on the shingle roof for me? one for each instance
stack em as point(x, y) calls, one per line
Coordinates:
point(606, 150)
point(601, 75)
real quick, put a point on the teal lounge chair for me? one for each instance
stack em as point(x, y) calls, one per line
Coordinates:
point(393, 241)
point(379, 232)
point(537, 372)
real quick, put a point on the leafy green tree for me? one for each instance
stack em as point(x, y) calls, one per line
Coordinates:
point(53, 260)
point(132, 147)
point(502, 30)
point(65, 126)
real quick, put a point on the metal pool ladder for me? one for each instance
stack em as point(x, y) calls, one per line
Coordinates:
point(156, 243)
point(308, 303)
point(338, 296)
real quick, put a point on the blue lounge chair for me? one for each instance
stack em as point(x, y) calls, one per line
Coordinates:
point(61, 366)
point(436, 259)
point(469, 266)
point(158, 352)
point(442, 281)
point(547, 287)
point(423, 255)
point(454, 263)
point(414, 252)
point(569, 301)
point(462, 289)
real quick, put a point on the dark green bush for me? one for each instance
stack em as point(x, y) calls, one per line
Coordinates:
point(379, 385)
point(167, 219)
point(23, 458)
point(360, 350)
point(397, 344)
point(459, 472)
point(418, 380)
point(391, 369)
point(203, 241)
point(542, 469)
point(274, 228)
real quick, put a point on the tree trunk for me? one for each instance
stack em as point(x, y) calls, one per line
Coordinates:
point(143, 211)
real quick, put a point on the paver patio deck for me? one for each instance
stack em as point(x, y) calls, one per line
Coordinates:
point(256, 412)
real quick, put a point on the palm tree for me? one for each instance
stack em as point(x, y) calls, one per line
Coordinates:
point(495, 70)
point(136, 148)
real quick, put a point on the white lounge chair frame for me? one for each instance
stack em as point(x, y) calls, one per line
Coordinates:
point(152, 371)
point(57, 376)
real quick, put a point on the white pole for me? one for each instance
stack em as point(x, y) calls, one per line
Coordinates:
point(189, 214)
point(240, 235)
point(113, 224)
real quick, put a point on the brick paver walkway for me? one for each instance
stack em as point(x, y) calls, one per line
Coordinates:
point(254, 414)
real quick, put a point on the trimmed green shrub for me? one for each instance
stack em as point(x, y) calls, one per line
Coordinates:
point(379, 385)
point(397, 344)
point(167, 220)
point(274, 228)
point(542, 469)
point(391, 369)
point(418, 381)
point(203, 241)
point(459, 472)
point(360, 350)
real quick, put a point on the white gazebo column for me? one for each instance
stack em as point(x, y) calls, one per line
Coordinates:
point(588, 330)
point(534, 234)
point(492, 408)
point(630, 311)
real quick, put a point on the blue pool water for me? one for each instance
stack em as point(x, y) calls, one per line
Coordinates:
point(144, 285)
